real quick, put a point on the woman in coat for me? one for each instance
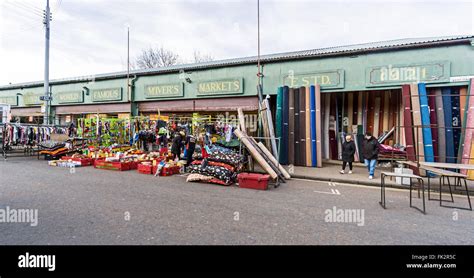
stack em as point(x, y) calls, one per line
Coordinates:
point(348, 151)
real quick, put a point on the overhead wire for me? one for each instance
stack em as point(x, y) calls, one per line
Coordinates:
point(30, 11)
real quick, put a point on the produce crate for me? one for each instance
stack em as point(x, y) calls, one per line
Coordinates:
point(169, 171)
point(253, 181)
point(147, 169)
point(117, 166)
point(134, 165)
point(83, 161)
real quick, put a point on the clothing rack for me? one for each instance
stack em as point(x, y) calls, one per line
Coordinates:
point(22, 148)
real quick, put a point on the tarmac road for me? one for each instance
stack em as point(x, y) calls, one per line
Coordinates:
point(101, 207)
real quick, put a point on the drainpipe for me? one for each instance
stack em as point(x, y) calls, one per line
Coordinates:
point(133, 106)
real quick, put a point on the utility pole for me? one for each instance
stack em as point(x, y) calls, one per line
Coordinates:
point(47, 100)
point(259, 74)
point(128, 71)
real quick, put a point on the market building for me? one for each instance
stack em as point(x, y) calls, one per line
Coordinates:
point(370, 73)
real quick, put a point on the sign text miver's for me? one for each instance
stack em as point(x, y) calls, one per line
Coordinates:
point(163, 91)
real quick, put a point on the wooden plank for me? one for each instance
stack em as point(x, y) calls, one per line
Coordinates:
point(433, 169)
point(266, 105)
point(255, 154)
point(274, 161)
point(449, 165)
point(266, 130)
point(241, 116)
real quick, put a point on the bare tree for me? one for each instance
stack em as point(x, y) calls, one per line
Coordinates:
point(156, 58)
point(202, 57)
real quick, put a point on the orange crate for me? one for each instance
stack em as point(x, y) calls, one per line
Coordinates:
point(117, 166)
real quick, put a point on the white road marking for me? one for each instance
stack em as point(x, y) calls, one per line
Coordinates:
point(330, 193)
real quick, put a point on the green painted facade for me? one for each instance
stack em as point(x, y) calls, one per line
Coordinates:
point(372, 71)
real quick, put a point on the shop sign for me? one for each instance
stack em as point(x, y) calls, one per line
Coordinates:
point(114, 94)
point(326, 79)
point(221, 87)
point(11, 100)
point(434, 72)
point(465, 78)
point(70, 97)
point(31, 99)
point(164, 91)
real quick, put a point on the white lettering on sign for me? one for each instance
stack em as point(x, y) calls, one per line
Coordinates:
point(106, 94)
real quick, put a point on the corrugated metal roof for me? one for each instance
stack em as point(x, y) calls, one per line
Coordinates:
point(294, 55)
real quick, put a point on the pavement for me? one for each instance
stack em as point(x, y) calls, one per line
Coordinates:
point(330, 172)
point(99, 207)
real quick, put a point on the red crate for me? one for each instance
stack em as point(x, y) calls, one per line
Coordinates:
point(147, 169)
point(253, 181)
point(117, 166)
point(169, 171)
point(84, 161)
point(133, 165)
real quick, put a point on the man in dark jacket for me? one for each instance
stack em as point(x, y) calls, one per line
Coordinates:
point(177, 145)
point(190, 147)
point(348, 151)
point(370, 151)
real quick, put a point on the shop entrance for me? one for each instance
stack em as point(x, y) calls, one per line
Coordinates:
point(357, 113)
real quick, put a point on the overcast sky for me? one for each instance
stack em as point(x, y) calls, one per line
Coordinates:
point(89, 36)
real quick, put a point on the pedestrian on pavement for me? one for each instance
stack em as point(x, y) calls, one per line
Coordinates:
point(348, 151)
point(190, 147)
point(176, 145)
point(370, 151)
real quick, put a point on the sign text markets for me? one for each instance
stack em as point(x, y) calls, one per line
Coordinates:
point(228, 86)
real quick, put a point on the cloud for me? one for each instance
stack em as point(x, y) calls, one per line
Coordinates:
point(89, 37)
